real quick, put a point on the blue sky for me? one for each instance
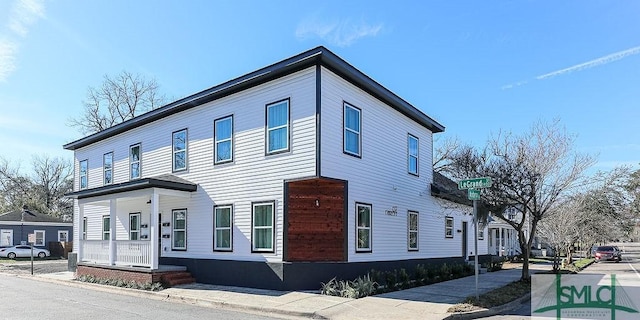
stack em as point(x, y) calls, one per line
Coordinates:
point(475, 66)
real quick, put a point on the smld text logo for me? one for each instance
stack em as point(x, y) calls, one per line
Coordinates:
point(581, 297)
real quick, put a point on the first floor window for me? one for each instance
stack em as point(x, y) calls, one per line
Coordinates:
point(84, 228)
point(223, 222)
point(63, 235)
point(363, 227)
point(480, 234)
point(448, 227)
point(223, 136)
point(39, 238)
point(278, 126)
point(106, 228)
point(134, 226)
point(180, 150)
point(412, 226)
point(262, 225)
point(84, 174)
point(179, 218)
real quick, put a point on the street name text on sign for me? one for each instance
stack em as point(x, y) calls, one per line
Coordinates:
point(474, 194)
point(475, 183)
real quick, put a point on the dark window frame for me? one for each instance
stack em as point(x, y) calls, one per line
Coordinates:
point(185, 150)
point(273, 227)
point(267, 130)
point(231, 140)
point(215, 228)
point(346, 105)
point(369, 228)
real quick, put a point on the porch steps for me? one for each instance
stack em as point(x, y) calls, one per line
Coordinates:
point(171, 279)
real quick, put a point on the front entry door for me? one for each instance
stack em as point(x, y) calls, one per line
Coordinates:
point(464, 240)
point(6, 237)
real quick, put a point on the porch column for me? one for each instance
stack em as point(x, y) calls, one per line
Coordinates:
point(501, 241)
point(112, 231)
point(80, 231)
point(153, 229)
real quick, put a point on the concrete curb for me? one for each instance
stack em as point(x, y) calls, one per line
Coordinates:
point(489, 312)
point(159, 295)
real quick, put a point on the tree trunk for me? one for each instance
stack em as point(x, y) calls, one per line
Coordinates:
point(525, 247)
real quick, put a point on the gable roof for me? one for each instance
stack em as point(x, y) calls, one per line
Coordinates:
point(29, 216)
point(316, 56)
point(445, 188)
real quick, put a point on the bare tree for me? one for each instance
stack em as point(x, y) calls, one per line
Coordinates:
point(532, 172)
point(443, 150)
point(562, 227)
point(118, 99)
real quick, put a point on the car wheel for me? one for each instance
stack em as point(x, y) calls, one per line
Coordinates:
point(11, 255)
point(41, 254)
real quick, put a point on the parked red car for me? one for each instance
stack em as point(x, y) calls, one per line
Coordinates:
point(608, 253)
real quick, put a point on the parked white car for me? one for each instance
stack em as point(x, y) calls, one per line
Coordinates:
point(22, 251)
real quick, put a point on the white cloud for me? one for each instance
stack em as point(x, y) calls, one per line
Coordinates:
point(341, 33)
point(8, 52)
point(23, 14)
point(593, 63)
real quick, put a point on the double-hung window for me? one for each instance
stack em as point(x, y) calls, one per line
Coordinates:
point(106, 228)
point(63, 235)
point(179, 150)
point(223, 136)
point(107, 168)
point(39, 238)
point(262, 227)
point(134, 226)
point(84, 174)
point(278, 127)
point(363, 227)
point(84, 228)
point(352, 130)
point(223, 224)
point(134, 161)
point(448, 227)
point(412, 154)
point(412, 230)
point(481, 233)
point(179, 218)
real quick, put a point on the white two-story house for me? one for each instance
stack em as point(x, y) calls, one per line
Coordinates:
point(282, 178)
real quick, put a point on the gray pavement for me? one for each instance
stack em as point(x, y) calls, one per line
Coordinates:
point(426, 302)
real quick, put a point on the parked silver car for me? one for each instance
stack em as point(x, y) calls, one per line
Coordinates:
point(22, 251)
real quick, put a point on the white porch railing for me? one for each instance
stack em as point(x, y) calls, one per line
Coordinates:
point(128, 252)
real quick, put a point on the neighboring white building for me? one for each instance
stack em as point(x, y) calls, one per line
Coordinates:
point(287, 176)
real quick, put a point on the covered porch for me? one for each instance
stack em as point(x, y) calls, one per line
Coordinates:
point(503, 240)
point(120, 225)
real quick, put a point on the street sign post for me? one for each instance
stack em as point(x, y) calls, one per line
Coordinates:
point(32, 239)
point(474, 183)
point(474, 194)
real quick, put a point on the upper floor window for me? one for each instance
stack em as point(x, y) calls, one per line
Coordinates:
point(180, 150)
point(134, 161)
point(223, 136)
point(134, 226)
point(107, 168)
point(448, 227)
point(352, 130)
point(223, 224)
point(262, 225)
point(412, 154)
point(412, 229)
point(278, 126)
point(84, 174)
point(363, 227)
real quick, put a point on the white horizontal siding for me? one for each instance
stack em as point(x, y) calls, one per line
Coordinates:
point(253, 176)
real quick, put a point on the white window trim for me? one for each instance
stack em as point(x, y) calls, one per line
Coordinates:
point(105, 170)
point(85, 175)
point(480, 233)
point(288, 139)
point(60, 232)
point(345, 129)
point(106, 235)
point(410, 231)
point(85, 224)
point(174, 230)
point(216, 228)
point(446, 227)
point(216, 141)
point(411, 156)
point(185, 150)
point(254, 228)
point(139, 161)
point(44, 239)
point(369, 228)
point(131, 231)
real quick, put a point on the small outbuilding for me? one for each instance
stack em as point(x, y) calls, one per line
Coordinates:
point(50, 232)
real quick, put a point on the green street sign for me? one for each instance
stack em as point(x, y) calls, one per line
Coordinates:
point(474, 194)
point(475, 183)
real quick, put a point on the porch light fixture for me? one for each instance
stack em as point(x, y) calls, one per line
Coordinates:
point(148, 202)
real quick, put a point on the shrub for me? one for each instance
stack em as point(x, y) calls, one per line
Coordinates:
point(404, 279)
point(156, 286)
point(361, 287)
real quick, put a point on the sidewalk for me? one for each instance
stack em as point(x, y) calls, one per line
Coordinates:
point(426, 302)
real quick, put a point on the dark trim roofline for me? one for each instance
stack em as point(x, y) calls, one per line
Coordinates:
point(131, 186)
point(316, 56)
